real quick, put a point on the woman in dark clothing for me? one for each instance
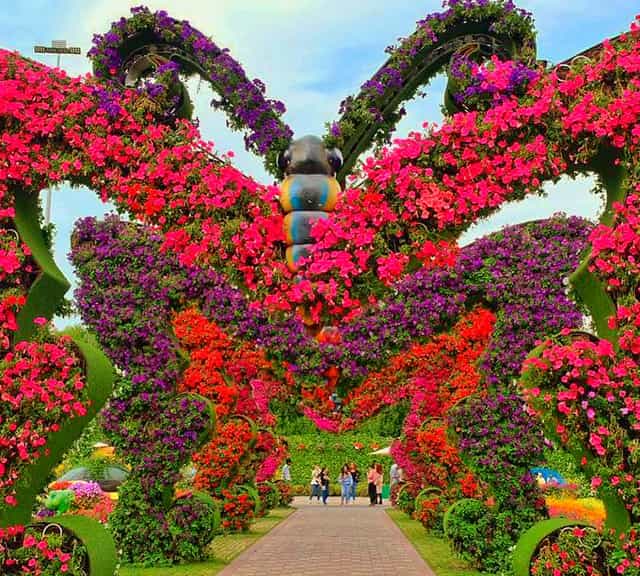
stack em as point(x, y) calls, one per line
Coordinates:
point(324, 484)
point(371, 480)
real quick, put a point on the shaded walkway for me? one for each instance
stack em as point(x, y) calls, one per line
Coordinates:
point(331, 541)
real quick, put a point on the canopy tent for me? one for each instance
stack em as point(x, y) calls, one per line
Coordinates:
point(386, 451)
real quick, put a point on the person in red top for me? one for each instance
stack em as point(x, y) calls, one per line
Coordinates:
point(379, 482)
point(372, 476)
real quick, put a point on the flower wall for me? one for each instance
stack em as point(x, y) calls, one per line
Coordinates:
point(140, 303)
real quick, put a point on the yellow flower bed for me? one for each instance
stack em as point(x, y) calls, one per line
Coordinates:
point(588, 509)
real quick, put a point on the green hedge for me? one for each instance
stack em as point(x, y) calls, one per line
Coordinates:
point(333, 451)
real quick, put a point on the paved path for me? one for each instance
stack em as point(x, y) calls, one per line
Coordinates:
point(331, 541)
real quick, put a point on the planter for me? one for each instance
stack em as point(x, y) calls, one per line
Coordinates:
point(530, 542)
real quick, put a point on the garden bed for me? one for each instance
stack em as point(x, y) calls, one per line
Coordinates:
point(224, 549)
point(434, 550)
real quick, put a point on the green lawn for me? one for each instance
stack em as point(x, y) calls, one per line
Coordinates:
point(434, 550)
point(223, 550)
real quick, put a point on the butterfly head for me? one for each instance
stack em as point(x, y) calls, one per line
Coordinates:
point(308, 155)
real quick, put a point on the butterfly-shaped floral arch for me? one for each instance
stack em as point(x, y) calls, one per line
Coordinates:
point(135, 146)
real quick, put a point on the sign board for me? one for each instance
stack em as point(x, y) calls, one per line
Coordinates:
point(56, 50)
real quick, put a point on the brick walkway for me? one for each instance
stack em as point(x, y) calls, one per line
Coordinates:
point(331, 541)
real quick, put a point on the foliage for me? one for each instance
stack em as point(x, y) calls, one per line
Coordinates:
point(565, 464)
point(430, 511)
point(269, 497)
point(406, 497)
point(82, 450)
point(223, 550)
point(192, 523)
point(387, 422)
point(285, 494)
point(26, 551)
point(325, 449)
point(500, 442)
point(468, 529)
point(574, 552)
point(434, 550)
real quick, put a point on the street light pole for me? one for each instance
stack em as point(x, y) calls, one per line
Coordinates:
point(58, 47)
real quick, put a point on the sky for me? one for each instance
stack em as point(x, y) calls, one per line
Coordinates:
point(310, 54)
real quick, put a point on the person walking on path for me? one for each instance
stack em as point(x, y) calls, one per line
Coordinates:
point(371, 484)
point(286, 470)
point(355, 476)
point(379, 482)
point(346, 482)
point(394, 474)
point(315, 483)
point(324, 483)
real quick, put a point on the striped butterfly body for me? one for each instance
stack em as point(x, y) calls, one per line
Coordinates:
point(308, 192)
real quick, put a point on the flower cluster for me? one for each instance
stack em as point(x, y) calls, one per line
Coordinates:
point(26, 551)
point(238, 380)
point(589, 510)
point(269, 497)
point(242, 99)
point(88, 500)
point(500, 19)
point(127, 293)
point(224, 461)
point(430, 511)
point(413, 196)
point(588, 399)
point(42, 386)
point(16, 275)
point(499, 440)
point(237, 511)
point(240, 226)
point(573, 551)
point(193, 522)
point(616, 251)
point(445, 179)
point(519, 272)
point(480, 86)
point(432, 377)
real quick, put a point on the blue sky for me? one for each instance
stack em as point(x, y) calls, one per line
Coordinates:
point(310, 54)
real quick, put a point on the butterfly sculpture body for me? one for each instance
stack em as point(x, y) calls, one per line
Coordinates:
point(217, 269)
